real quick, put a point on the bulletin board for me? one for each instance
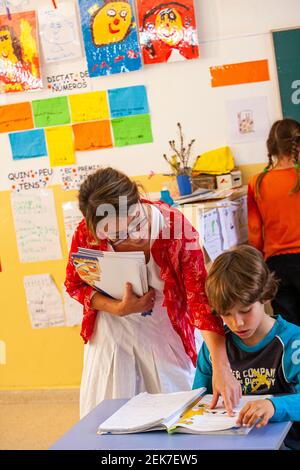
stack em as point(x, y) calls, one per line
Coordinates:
point(287, 53)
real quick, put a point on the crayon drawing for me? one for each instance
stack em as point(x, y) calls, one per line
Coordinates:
point(167, 30)
point(19, 56)
point(110, 36)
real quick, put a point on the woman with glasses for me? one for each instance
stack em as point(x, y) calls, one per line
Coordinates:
point(125, 352)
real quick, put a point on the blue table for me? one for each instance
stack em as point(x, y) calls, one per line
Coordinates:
point(83, 436)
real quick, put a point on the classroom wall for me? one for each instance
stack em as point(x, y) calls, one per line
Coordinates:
point(230, 31)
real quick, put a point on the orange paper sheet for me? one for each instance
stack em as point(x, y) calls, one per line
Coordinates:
point(16, 117)
point(92, 135)
point(235, 74)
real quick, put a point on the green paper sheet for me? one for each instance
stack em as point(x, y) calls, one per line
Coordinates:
point(51, 112)
point(132, 130)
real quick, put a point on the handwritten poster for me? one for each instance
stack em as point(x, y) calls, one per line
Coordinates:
point(89, 106)
point(19, 54)
point(92, 135)
point(168, 30)
point(72, 217)
point(110, 36)
point(44, 301)
point(36, 225)
point(248, 119)
point(59, 34)
point(60, 145)
point(132, 130)
point(73, 310)
point(16, 117)
point(71, 81)
point(51, 111)
point(28, 144)
point(30, 179)
point(128, 101)
point(73, 176)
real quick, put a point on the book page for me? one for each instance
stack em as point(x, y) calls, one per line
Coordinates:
point(201, 419)
point(146, 410)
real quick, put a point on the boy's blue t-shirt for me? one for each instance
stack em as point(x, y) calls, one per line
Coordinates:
point(270, 367)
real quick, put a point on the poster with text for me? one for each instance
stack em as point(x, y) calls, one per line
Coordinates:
point(19, 54)
point(110, 36)
point(59, 32)
point(168, 30)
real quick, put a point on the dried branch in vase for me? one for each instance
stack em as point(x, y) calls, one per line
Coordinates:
point(179, 162)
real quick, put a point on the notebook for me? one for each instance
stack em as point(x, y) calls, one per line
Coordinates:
point(184, 412)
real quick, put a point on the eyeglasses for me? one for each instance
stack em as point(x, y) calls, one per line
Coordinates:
point(134, 227)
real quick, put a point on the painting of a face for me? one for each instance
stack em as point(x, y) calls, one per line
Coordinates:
point(111, 23)
point(168, 25)
point(6, 47)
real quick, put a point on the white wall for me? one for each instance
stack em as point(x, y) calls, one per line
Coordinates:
point(230, 31)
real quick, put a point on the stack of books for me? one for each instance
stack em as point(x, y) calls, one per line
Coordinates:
point(108, 272)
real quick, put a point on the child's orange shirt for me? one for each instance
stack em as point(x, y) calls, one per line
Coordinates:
point(274, 217)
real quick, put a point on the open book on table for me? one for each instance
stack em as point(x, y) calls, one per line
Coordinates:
point(184, 412)
point(108, 271)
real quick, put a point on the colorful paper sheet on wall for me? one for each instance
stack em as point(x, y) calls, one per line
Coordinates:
point(168, 30)
point(92, 135)
point(89, 106)
point(73, 176)
point(60, 145)
point(59, 34)
point(28, 144)
point(132, 130)
point(128, 101)
point(72, 217)
point(16, 117)
point(36, 225)
point(19, 55)
point(31, 179)
point(236, 74)
point(71, 81)
point(248, 119)
point(44, 301)
point(110, 36)
point(51, 112)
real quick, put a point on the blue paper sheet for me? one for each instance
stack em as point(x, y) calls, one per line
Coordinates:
point(128, 101)
point(28, 144)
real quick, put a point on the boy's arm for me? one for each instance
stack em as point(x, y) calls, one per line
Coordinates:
point(287, 407)
point(203, 376)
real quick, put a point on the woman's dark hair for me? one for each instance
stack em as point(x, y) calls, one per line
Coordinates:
point(105, 186)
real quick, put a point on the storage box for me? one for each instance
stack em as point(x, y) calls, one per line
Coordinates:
point(236, 178)
point(224, 181)
point(204, 181)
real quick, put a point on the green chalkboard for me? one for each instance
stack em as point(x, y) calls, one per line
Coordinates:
point(287, 55)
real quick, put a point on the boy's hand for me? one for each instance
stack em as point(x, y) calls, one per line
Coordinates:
point(227, 386)
point(253, 411)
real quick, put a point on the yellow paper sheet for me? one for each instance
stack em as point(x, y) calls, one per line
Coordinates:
point(89, 106)
point(60, 145)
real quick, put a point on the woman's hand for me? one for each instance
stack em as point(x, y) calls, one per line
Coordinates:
point(253, 411)
point(225, 385)
point(131, 303)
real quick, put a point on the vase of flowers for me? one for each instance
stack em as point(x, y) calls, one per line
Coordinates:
point(179, 163)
